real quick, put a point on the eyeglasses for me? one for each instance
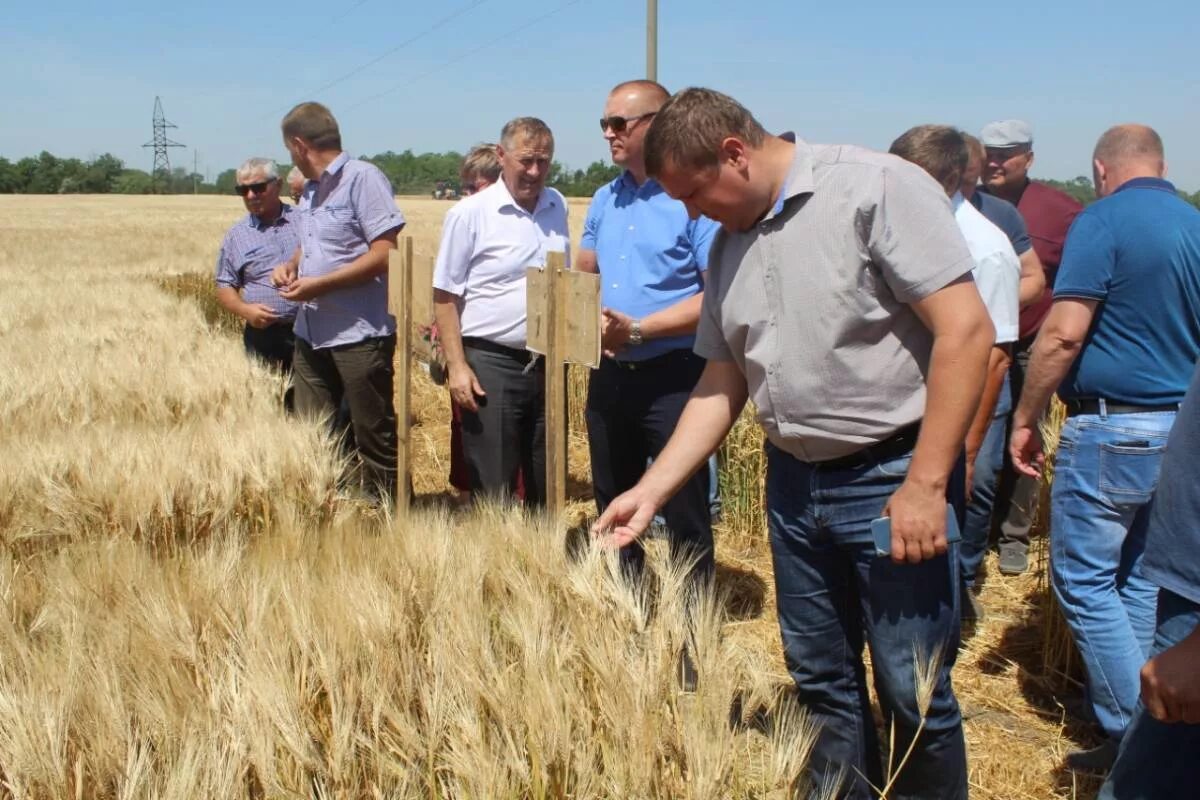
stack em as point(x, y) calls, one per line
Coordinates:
point(619, 124)
point(258, 188)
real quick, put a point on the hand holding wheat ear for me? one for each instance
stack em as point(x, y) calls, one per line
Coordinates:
point(626, 518)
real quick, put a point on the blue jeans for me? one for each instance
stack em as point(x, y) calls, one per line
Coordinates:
point(1105, 474)
point(988, 463)
point(1158, 761)
point(832, 593)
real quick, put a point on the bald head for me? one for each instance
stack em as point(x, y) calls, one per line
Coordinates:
point(651, 94)
point(1126, 152)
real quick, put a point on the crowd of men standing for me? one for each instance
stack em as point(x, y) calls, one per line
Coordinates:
point(895, 325)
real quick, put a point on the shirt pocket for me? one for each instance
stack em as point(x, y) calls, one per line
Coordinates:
point(335, 223)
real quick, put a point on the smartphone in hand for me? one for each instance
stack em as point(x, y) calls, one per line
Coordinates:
point(881, 532)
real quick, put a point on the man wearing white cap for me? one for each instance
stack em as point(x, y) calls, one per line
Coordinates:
point(1048, 213)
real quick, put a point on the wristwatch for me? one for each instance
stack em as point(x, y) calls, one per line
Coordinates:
point(635, 333)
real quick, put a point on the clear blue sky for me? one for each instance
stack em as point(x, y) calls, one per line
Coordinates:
point(79, 78)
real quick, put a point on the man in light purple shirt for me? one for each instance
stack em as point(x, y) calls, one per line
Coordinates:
point(250, 251)
point(345, 337)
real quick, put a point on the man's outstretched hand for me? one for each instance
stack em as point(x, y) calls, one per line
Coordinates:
point(626, 518)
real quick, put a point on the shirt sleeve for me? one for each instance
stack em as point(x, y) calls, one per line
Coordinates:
point(913, 237)
point(227, 271)
point(710, 341)
point(700, 233)
point(591, 223)
point(453, 263)
point(998, 278)
point(374, 204)
point(1089, 256)
point(1018, 234)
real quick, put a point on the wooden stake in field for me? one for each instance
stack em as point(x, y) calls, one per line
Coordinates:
point(410, 300)
point(563, 312)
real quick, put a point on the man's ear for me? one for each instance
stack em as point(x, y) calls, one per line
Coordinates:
point(733, 152)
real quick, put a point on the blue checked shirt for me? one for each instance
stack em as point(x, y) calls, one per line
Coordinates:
point(251, 249)
point(350, 206)
point(650, 255)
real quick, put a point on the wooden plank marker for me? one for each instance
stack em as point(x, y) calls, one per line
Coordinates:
point(400, 304)
point(563, 312)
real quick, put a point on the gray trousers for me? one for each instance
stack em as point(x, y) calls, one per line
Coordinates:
point(360, 374)
point(507, 435)
point(1015, 508)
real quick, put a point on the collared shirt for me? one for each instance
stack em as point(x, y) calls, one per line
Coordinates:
point(650, 254)
point(1136, 251)
point(812, 303)
point(1004, 215)
point(1048, 213)
point(488, 241)
point(350, 206)
point(997, 269)
point(250, 252)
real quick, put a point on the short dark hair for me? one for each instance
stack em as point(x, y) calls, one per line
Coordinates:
point(689, 128)
point(940, 150)
point(313, 123)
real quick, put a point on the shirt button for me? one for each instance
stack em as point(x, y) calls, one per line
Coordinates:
point(630, 227)
point(614, 286)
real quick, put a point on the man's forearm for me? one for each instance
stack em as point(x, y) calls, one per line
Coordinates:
point(231, 300)
point(998, 363)
point(710, 412)
point(679, 319)
point(445, 313)
point(1033, 279)
point(1049, 362)
point(957, 369)
point(366, 267)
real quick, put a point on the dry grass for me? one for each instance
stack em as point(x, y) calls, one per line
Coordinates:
point(190, 610)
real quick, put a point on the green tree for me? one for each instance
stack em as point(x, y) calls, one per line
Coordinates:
point(9, 179)
point(133, 181)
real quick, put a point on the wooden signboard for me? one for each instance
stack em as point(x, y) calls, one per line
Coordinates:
point(563, 325)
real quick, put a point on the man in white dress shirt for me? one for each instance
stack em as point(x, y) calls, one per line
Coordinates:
point(488, 241)
point(943, 152)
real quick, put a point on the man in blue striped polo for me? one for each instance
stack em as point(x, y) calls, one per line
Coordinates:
point(651, 259)
point(345, 337)
point(252, 248)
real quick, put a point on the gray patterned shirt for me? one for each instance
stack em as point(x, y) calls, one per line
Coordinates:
point(812, 303)
point(251, 250)
point(347, 208)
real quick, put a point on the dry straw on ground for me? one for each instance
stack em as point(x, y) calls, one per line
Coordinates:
point(190, 610)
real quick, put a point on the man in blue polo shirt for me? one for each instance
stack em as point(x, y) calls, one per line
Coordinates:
point(1119, 345)
point(651, 258)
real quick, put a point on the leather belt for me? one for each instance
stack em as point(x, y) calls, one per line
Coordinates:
point(1091, 405)
point(896, 445)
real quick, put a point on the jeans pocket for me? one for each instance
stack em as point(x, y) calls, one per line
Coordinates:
point(1129, 470)
point(895, 467)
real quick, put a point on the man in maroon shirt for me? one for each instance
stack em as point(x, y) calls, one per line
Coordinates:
point(1048, 213)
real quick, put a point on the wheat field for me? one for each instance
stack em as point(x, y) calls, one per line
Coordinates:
point(192, 609)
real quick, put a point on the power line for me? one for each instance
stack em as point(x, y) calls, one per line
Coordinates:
point(435, 26)
point(462, 56)
point(350, 11)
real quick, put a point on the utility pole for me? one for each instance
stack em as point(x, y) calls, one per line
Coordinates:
point(160, 143)
point(195, 159)
point(652, 40)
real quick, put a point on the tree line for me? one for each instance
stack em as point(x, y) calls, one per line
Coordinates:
point(410, 173)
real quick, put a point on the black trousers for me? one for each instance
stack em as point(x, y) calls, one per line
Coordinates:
point(508, 432)
point(632, 410)
point(274, 344)
point(360, 375)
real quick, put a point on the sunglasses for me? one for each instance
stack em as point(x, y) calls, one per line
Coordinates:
point(258, 188)
point(620, 124)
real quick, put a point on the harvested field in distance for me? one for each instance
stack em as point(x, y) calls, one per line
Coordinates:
point(191, 610)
